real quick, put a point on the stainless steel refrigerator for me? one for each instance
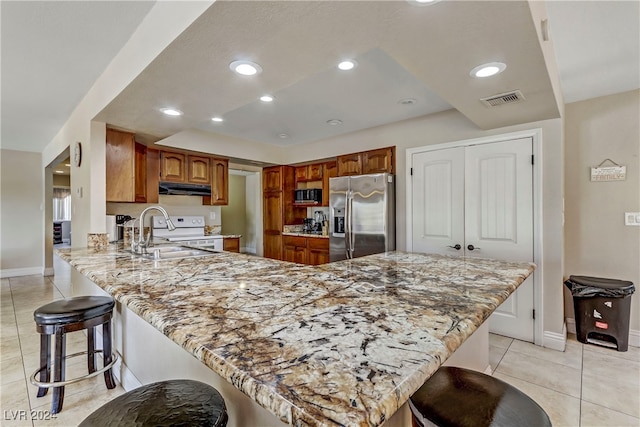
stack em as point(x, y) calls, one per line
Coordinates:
point(362, 215)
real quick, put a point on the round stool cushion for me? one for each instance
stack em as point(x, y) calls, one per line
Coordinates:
point(461, 397)
point(73, 310)
point(165, 403)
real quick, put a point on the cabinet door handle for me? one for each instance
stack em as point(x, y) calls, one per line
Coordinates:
point(457, 247)
point(471, 248)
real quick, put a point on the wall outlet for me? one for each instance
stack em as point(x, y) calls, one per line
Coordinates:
point(632, 218)
point(212, 215)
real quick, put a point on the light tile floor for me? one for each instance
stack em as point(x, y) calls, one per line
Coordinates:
point(585, 385)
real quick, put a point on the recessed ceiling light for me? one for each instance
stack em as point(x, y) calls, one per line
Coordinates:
point(488, 70)
point(266, 98)
point(283, 136)
point(217, 119)
point(59, 171)
point(423, 2)
point(407, 101)
point(347, 65)
point(334, 122)
point(246, 68)
point(68, 165)
point(171, 111)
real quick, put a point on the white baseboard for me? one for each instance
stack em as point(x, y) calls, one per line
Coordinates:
point(125, 377)
point(634, 335)
point(555, 341)
point(248, 250)
point(48, 271)
point(17, 272)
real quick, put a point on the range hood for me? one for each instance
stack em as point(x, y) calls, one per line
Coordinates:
point(182, 189)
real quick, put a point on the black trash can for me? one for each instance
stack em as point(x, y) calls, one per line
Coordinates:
point(602, 310)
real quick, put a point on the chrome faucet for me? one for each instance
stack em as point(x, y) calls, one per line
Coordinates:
point(142, 244)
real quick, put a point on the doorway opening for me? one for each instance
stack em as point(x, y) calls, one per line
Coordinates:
point(243, 214)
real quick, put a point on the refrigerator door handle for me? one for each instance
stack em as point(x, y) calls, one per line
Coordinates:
point(347, 225)
point(352, 242)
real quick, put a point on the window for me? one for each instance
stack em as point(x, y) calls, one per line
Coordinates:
point(61, 204)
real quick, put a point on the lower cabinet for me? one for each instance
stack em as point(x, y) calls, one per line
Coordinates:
point(231, 244)
point(305, 250)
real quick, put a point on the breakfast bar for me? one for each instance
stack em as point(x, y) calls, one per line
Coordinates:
point(345, 343)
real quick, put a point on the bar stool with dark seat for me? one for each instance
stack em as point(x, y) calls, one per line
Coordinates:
point(165, 403)
point(457, 397)
point(69, 315)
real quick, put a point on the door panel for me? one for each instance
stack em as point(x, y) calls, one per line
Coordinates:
point(499, 221)
point(438, 201)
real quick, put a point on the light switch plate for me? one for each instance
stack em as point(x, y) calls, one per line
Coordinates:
point(632, 218)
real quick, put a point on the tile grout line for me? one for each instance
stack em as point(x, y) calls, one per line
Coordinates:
point(24, 372)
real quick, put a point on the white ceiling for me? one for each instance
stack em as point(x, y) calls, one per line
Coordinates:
point(52, 52)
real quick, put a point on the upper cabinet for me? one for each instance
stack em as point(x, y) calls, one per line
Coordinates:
point(350, 164)
point(219, 171)
point(379, 161)
point(173, 167)
point(180, 167)
point(198, 168)
point(272, 179)
point(309, 173)
point(128, 165)
point(373, 161)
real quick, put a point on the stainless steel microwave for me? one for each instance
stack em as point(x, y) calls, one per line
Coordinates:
point(308, 195)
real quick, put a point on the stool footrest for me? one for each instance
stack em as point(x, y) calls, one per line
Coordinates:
point(34, 381)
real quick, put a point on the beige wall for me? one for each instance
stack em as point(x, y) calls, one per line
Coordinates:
point(21, 213)
point(597, 241)
point(61, 180)
point(235, 213)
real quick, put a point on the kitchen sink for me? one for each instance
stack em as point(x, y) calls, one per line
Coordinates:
point(174, 252)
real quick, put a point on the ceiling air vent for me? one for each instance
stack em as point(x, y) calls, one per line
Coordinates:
point(503, 98)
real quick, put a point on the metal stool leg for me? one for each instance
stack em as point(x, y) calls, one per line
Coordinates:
point(59, 370)
point(45, 365)
point(91, 350)
point(106, 354)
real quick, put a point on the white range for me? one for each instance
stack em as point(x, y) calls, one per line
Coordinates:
point(189, 230)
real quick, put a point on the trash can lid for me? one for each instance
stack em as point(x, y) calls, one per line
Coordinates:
point(592, 286)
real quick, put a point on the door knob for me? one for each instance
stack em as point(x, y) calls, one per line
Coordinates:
point(471, 248)
point(456, 247)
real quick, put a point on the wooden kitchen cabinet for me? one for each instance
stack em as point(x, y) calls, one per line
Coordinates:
point(219, 183)
point(127, 169)
point(305, 250)
point(172, 167)
point(231, 244)
point(317, 250)
point(277, 203)
point(294, 249)
point(272, 179)
point(198, 170)
point(330, 170)
point(378, 161)
point(309, 172)
point(372, 161)
point(350, 164)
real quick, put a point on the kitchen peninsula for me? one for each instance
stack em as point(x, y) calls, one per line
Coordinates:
point(345, 343)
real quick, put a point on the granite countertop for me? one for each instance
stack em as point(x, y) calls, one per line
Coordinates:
point(345, 343)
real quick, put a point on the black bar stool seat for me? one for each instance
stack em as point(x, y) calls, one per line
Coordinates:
point(70, 315)
point(165, 403)
point(457, 397)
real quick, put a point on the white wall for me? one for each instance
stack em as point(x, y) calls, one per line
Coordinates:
point(597, 241)
point(21, 213)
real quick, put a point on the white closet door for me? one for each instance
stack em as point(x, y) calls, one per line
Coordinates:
point(482, 196)
point(499, 221)
point(438, 201)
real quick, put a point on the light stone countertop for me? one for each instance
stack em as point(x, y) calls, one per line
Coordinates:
point(344, 343)
point(300, 234)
